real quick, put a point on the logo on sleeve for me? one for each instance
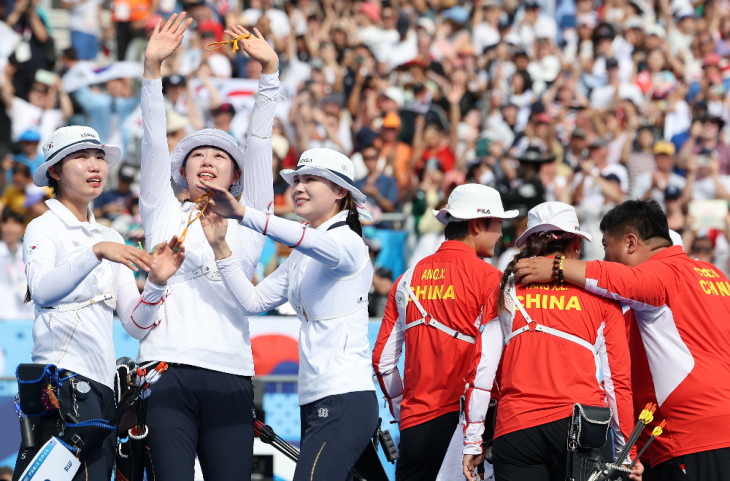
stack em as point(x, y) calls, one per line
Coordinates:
point(34, 247)
point(76, 243)
point(323, 412)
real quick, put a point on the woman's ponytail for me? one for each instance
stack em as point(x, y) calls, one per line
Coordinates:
point(538, 245)
point(353, 220)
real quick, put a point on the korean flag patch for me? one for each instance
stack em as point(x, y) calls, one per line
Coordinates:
point(34, 247)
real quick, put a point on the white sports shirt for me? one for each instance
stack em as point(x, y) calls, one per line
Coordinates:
point(326, 279)
point(62, 268)
point(203, 325)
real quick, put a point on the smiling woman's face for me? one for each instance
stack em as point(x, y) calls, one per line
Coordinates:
point(315, 198)
point(213, 165)
point(82, 174)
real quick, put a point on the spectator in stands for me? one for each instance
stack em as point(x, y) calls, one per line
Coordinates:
point(282, 190)
point(87, 26)
point(13, 196)
point(655, 184)
point(12, 269)
point(380, 189)
point(107, 110)
point(28, 155)
point(382, 280)
point(111, 203)
point(39, 110)
point(35, 50)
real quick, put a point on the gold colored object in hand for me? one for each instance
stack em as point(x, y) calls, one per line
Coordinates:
point(192, 219)
point(234, 41)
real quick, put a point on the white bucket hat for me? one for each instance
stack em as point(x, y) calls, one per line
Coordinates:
point(66, 141)
point(473, 201)
point(552, 217)
point(333, 166)
point(207, 138)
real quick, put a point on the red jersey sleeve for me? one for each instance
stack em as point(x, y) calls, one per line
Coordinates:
point(387, 352)
point(616, 365)
point(647, 284)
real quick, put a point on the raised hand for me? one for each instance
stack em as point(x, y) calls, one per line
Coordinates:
point(221, 202)
point(123, 254)
point(256, 47)
point(166, 260)
point(164, 41)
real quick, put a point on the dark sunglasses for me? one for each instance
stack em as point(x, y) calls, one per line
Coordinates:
point(706, 250)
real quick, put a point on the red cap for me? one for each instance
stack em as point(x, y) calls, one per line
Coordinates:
point(542, 118)
point(711, 59)
point(371, 10)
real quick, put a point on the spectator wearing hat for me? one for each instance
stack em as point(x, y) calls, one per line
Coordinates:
point(177, 129)
point(107, 110)
point(674, 202)
point(704, 135)
point(28, 155)
point(527, 190)
point(179, 96)
point(654, 185)
point(577, 149)
point(380, 190)
point(38, 110)
point(222, 116)
point(397, 154)
point(604, 97)
point(594, 192)
point(113, 202)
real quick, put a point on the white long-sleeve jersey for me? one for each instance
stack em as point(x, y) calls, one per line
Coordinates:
point(326, 279)
point(62, 269)
point(203, 325)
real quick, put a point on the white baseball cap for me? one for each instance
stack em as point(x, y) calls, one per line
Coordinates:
point(207, 138)
point(66, 141)
point(552, 217)
point(333, 166)
point(473, 201)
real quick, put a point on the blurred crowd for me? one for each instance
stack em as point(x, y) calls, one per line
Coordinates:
point(588, 102)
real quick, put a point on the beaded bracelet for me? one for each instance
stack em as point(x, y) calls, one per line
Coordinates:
point(558, 268)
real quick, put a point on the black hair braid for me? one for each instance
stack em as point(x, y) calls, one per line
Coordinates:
point(538, 245)
point(353, 220)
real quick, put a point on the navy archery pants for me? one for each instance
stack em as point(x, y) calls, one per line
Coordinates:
point(335, 432)
point(194, 410)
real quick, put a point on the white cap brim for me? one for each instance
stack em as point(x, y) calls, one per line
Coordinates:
point(112, 154)
point(334, 177)
point(207, 137)
point(549, 228)
point(457, 215)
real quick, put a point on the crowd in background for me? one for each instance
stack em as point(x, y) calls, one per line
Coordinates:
point(584, 101)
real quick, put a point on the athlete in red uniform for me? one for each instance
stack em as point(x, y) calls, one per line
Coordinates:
point(683, 361)
point(551, 361)
point(436, 309)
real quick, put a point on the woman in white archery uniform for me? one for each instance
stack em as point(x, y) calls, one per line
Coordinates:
point(204, 403)
point(78, 273)
point(326, 279)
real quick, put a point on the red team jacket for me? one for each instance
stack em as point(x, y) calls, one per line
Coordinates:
point(452, 285)
point(683, 359)
point(543, 375)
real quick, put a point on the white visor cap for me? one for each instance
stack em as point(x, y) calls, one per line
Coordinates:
point(67, 140)
point(473, 201)
point(552, 217)
point(333, 166)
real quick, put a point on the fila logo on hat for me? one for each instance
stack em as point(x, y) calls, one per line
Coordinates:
point(473, 201)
